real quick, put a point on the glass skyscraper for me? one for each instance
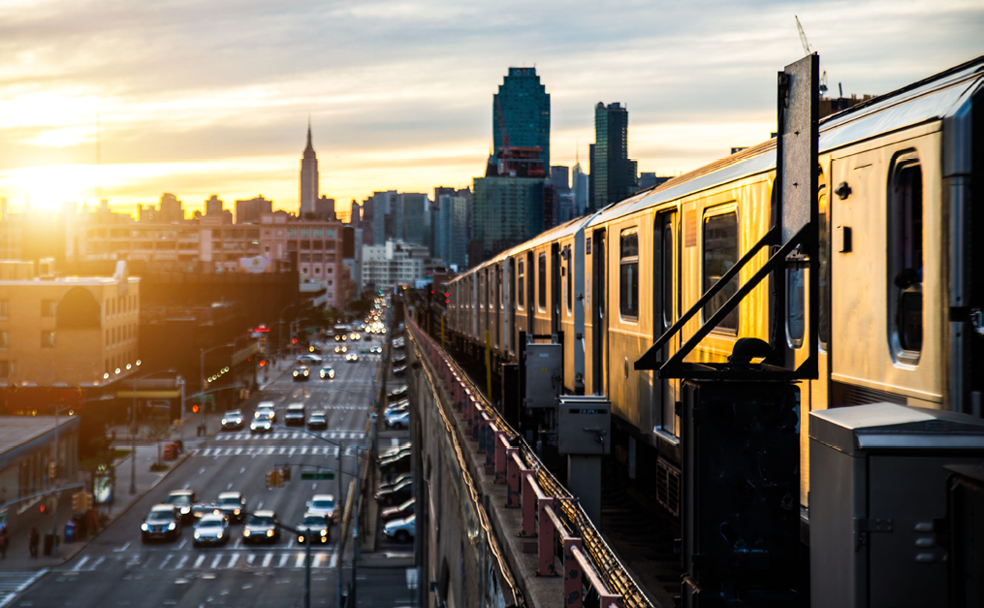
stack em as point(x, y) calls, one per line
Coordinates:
point(614, 175)
point(521, 112)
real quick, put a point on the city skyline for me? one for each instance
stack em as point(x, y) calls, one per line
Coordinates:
point(225, 113)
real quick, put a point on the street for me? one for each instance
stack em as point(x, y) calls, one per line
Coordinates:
point(116, 569)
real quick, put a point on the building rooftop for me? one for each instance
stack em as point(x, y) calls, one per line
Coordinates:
point(17, 431)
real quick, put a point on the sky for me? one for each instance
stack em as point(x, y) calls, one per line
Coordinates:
point(127, 99)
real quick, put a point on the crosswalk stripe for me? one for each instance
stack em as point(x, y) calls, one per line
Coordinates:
point(164, 563)
point(283, 560)
point(250, 558)
point(198, 562)
point(215, 561)
point(181, 562)
point(332, 561)
point(96, 563)
point(317, 559)
point(232, 560)
point(299, 562)
point(266, 559)
point(81, 563)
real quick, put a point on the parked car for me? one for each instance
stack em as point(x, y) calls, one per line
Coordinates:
point(398, 512)
point(399, 359)
point(327, 373)
point(262, 527)
point(394, 452)
point(183, 500)
point(302, 374)
point(400, 372)
point(401, 405)
point(389, 485)
point(397, 494)
point(317, 420)
point(232, 505)
point(294, 415)
point(399, 392)
point(162, 523)
point(211, 529)
point(400, 530)
point(232, 420)
point(398, 419)
point(318, 526)
point(398, 464)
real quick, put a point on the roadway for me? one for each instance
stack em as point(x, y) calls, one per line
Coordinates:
point(116, 569)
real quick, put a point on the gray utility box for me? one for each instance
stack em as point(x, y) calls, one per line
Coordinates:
point(877, 483)
point(544, 374)
point(584, 425)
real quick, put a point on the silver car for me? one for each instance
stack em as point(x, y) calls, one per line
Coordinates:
point(212, 529)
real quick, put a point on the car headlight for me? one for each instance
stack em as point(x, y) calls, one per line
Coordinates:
point(171, 526)
point(224, 421)
point(245, 532)
point(235, 512)
point(270, 533)
point(300, 539)
point(324, 533)
point(197, 535)
point(219, 535)
point(145, 527)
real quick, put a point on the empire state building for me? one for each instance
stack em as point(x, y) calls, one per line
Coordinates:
point(309, 177)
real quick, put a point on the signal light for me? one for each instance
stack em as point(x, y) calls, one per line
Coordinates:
point(42, 508)
point(262, 362)
point(293, 340)
point(194, 408)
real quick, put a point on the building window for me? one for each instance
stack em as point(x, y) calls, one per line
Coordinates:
point(7, 369)
point(720, 254)
point(628, 296)
point(905, 264)
point(317, 270)
point(48, 308)
point(570, 280)
point(47, 339)
point(521, 285)
point(3, 339)
point(541, 280)
point(4, 309)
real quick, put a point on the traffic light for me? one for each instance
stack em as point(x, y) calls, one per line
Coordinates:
point(86, 501)
point(78, 502)
point(194, 408)
point(262, 362)
point(53, 470)
point(275, 479)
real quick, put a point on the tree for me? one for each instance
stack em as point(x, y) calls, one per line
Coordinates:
point(159, 430)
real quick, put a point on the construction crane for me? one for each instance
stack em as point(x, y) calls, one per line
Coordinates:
point(809, 51)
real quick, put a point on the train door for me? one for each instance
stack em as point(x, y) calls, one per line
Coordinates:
point(599, 301)
point(530, 295)
point(666, 306)
point(510, 312)
point(555, 268)
point(497, 324)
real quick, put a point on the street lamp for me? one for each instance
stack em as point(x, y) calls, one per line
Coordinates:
point(201, 371)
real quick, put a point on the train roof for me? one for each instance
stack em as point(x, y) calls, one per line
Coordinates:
point(930, 99)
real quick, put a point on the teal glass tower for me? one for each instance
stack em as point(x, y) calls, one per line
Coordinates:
point(521, 113)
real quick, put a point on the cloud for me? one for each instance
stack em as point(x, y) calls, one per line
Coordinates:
point(400, 92)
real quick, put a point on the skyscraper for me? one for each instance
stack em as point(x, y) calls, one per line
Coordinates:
point(249, 211)
point(309, 177)
point(580, 188)
point(521, 113)
point(613, 173)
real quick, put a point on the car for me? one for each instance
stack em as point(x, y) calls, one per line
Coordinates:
point(183, 500)
point(398, 464)
point(232, 420)
point(211, 529)
point(232, 505)
point(352, 357)
point(398, 392)
point(327, 373)
point(262, 527)
point(322, 504)
point(309, 359)
point(340, 348)
point(397, 494)
point(261, 425)
point(317, 420)
point(302, 374)
point(388, 485)
point(294, 415)
point(395, 451)
point(401, 404)
point(398, 420)
point(376, 349)
point(355, 336)
point(266, 410)
point(397, 408)
point(400, 372)
point(162, 523)
point(399, 359)
point(400, 530)
point(318, 526)
point(315, 349)
point(398, 512)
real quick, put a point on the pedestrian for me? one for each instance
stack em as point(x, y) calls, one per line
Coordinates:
point(4, 542)
point(33, 544)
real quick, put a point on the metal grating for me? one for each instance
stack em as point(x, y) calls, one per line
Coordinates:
point(668, 487)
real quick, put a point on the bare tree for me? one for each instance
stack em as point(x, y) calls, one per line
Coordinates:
point(159, 430)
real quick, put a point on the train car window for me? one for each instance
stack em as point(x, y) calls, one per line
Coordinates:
point(795, 306)
point(541, 282)
point(628, 280)
point(570, 280)
point(667, 287)
point(499, 286)
point(824, 250)
point(520, 284)
point(905, 245)
point(720, 254)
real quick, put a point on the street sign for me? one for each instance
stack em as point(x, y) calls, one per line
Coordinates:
point(318, 475)
point(203, 399)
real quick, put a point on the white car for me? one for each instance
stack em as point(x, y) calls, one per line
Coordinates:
point(352, 357)
point(397, 419)
point(212, 529)
point(400, 530)
point(266, 409)
point(310, 359)
point(322, 504)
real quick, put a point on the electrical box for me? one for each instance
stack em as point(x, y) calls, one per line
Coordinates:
point(544, 374)
point(878, 490)
point(584, 425)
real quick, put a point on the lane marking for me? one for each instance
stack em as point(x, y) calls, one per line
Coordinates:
point(232, 560)
point(266, 559)
point(182, 562)
point(318, 558)
point(250, 558)
point(81, 563)
point(283, 560)
point(198, 562)
point(96, 563)
point(332, 561)
point(215, 561)
point(164, 563)
point(183, 543)
point(299, 562)
point(122, 549)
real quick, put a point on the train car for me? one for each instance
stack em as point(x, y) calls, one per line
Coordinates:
point(901, 280)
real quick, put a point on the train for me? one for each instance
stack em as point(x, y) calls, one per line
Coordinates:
point(901, 276)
